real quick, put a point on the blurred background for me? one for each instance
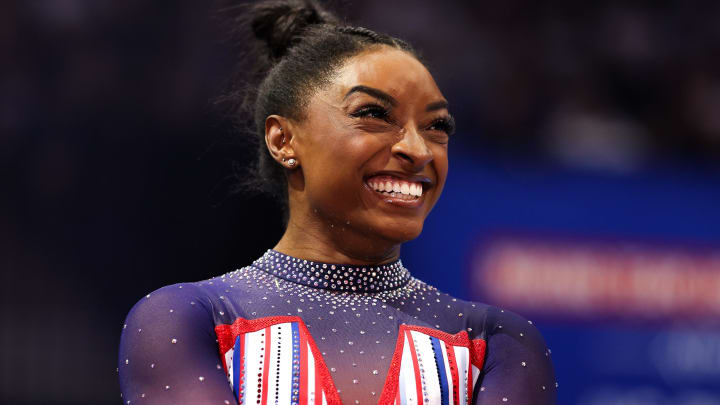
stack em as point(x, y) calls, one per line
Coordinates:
point(583, 192)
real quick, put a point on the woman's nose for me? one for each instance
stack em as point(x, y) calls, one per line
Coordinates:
point(411, 150)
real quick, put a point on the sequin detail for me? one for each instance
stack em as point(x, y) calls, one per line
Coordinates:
point(334, 277)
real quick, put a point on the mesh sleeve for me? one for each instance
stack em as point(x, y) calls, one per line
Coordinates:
point(168, 351)
point(517, 368)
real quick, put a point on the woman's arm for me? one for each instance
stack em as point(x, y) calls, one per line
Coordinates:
point(517, 367)
point(168, 351)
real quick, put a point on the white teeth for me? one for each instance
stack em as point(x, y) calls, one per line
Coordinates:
point(397, 189)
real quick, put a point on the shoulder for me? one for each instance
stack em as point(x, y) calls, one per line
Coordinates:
point(515, 343)
point(503, 322)
point(169, 297)
point(175, 304)
point(509, 333)
point(212, 298)
point(173, 313)
point(168, 341)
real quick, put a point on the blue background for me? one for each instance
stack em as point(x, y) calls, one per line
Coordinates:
point(597, 361)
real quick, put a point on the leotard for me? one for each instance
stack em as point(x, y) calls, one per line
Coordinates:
point(290, 331)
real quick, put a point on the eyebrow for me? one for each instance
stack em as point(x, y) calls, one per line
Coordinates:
point(381, 95)
point(437, 105)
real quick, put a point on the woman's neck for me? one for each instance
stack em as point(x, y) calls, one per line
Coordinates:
point(334, 243)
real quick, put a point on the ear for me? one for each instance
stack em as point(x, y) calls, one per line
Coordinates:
point(279, 141)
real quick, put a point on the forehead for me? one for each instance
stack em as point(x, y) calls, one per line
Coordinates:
point(391, 70)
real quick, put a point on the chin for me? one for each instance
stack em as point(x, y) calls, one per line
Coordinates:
point(401, 232)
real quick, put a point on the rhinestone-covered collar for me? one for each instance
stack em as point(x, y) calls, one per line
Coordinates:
point(335, 277)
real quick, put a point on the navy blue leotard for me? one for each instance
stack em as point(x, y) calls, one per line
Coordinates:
point(290, 331)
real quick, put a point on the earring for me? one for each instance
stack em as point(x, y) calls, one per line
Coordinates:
point(291, 162)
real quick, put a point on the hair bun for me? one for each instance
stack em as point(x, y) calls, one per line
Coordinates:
point(279, 23)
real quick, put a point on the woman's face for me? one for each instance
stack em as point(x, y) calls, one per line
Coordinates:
point(373, 147)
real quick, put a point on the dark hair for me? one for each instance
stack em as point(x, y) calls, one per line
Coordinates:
point(297, 48)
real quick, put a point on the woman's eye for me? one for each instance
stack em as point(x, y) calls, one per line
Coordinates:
point(373, 111)
point(446, 125)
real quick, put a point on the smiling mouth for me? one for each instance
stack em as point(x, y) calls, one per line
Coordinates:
point(396, 188)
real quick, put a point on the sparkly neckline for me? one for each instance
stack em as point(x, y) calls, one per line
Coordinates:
point(336, 277)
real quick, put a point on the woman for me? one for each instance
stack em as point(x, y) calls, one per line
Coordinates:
point(355, 137)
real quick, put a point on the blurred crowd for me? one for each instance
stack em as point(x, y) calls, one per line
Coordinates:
point(609, 84)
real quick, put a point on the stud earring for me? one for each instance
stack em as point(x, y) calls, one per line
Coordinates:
point(291, 162)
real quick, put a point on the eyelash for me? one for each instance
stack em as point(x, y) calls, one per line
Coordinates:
point(446, 125)
point(368, 111)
